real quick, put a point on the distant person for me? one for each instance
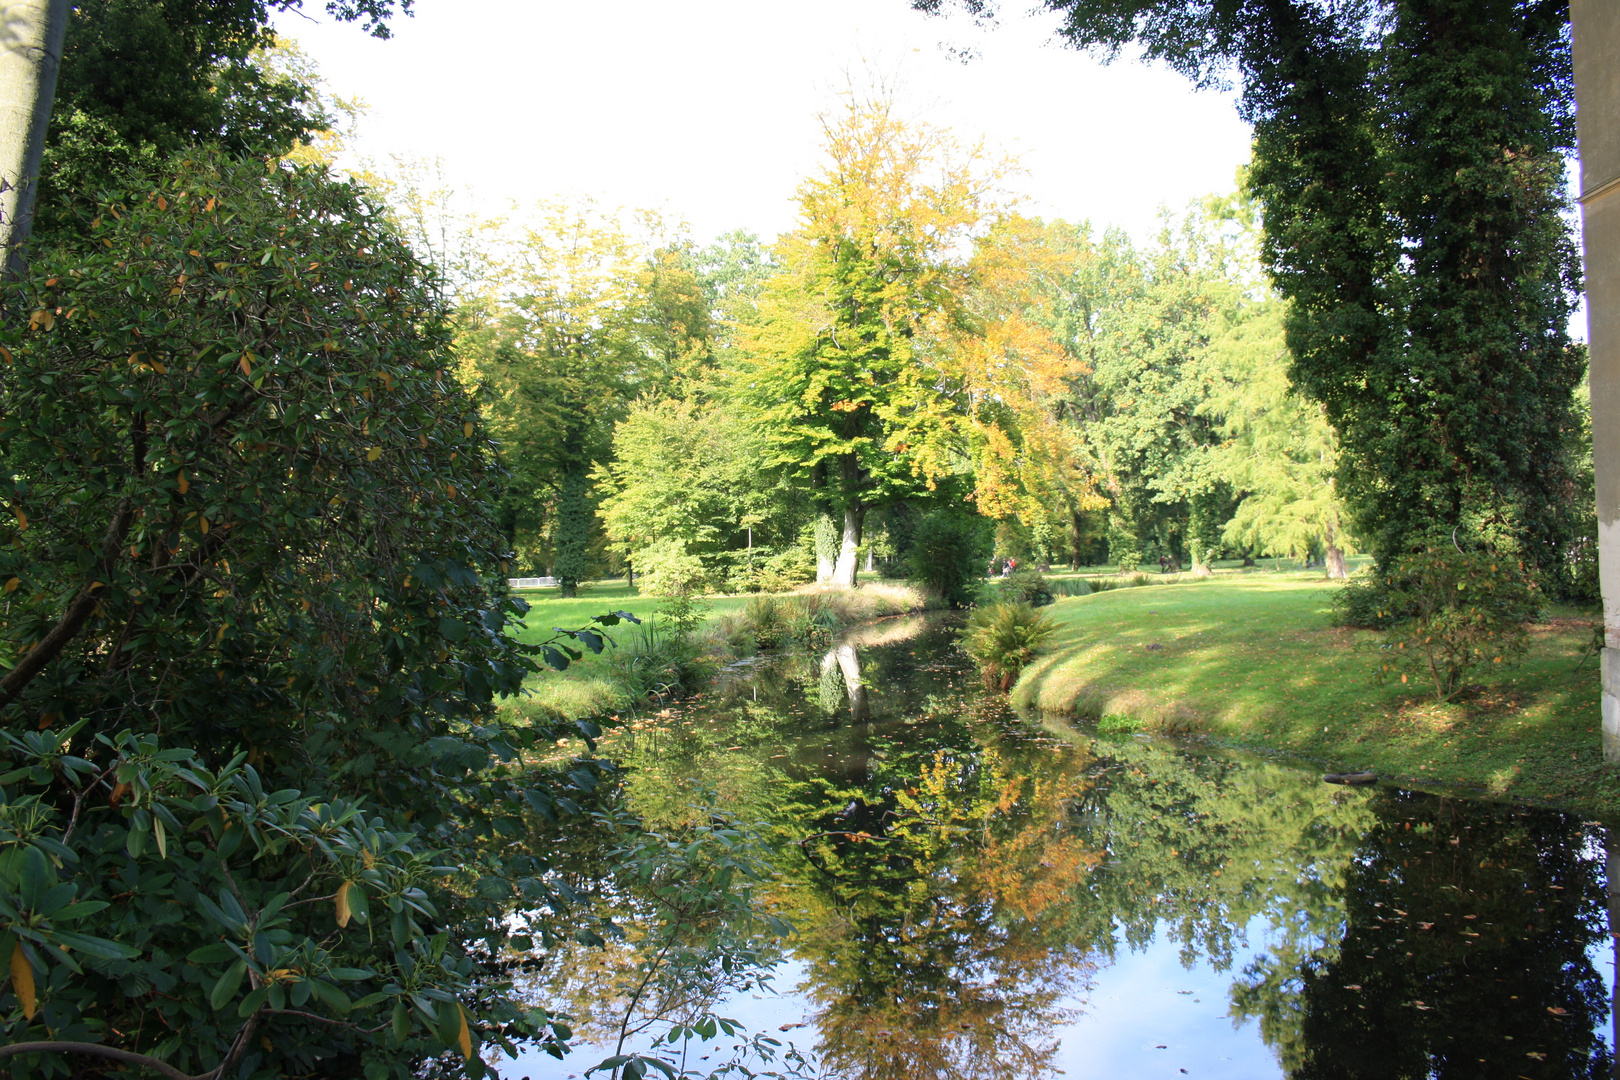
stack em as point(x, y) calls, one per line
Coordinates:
point(1164, 564)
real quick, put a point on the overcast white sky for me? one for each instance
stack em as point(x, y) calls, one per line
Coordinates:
point(706, 108)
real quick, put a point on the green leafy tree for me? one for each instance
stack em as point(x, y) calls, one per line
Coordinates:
point(1409, 157)
point(1152, 380)
point(139, 81)
point(1278, 451)
point(692, 472)
point(550, 339)
point(835, 372)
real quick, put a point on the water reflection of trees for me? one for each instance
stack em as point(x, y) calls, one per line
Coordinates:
point(1205, 844)
point(959, 875)
point(1464, 954)
point(927, 885)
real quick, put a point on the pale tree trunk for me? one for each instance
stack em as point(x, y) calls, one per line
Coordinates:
point(1332, 556)
point(826, 550)
point(849, 551)
point(1200, 560)
point(849, 663)
point(1595, 25)
point(31, 33)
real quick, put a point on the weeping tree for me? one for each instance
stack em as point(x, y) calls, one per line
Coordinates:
point(1409, 161)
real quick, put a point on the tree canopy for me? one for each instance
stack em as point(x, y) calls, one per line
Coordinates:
point(1408, 160)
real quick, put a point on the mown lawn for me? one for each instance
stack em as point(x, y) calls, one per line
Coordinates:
point(1253, 659)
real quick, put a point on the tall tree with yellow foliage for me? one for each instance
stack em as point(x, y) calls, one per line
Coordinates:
point(853, 368)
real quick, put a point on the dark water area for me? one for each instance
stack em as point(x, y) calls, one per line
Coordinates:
point(980, 895)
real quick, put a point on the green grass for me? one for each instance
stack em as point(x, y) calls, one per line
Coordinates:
point(548, 609)
point(1254, 660)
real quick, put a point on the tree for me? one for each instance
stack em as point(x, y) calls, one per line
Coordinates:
point(1153, 376)
point(255, 622)
point(30, 59)
point(1409, 161)
point(1019, 361)
point(837, 370)
point(135, 81)
point(551, 338)
point(1279, 451)
point(690, 471)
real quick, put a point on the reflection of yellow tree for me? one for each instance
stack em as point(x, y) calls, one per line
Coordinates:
point(935, 947)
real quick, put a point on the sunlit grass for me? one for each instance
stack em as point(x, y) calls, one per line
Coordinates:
point(1254, 659)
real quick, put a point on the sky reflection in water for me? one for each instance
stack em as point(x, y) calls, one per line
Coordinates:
point(979, 896)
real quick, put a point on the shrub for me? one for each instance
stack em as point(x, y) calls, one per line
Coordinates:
point(1023, 587)
point(668, 569)
point(791, 567)
point(1070, 587)
point(764, 615)
point(249, 510)
point(1457, 613)
point(1002, 639)
point(811, 617)
point(1363, 603)
point(947, 551)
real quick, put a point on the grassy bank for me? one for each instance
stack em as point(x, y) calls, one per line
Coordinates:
point(1254, 660)
point(648, 662)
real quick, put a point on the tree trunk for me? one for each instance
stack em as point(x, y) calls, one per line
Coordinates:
point(1335, 561)
point(31, 33)
point(1199, 555)
point(826, 549)
point(849, 664)
point(848, 551)
point(1595, 26)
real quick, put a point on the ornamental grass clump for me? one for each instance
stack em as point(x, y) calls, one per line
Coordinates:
point(1463, 613)
point(1002, 639)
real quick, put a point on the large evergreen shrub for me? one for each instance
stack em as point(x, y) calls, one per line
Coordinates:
point(251, 775)
point(948, 553)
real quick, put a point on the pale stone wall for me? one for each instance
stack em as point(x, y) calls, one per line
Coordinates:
point(1597, 91)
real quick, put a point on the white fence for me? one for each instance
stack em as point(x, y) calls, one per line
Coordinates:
point(533, 582)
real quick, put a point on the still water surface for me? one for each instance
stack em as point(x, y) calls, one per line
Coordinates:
point(979, 895)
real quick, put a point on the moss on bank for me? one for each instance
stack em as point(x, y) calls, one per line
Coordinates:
point(1254, 660)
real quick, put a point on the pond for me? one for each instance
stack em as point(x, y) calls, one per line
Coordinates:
point(979, 895)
